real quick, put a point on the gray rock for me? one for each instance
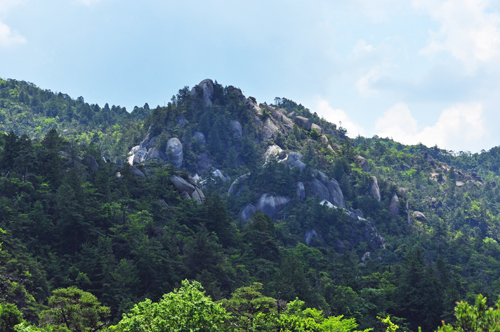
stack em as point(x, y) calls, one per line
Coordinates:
point(303, 122)
point(394, 206)
point(323, 140)
point(326, 189)
point(181, 185)
point(204, 162)
point(402, 192)
point(162, 203)
point(184, 195)
point(310, 235)
point(406, 168)
point(174, 152)
point(295, 160)
point(207, 88)
point(318, 128)
point(198, 135)
point(137, 172)
point(237, 92)
point(91, 162)
point(366, 257)
point(363, 163)
point(301, 191)
point(136, 155)
point(282, 155)
point(269, 129)
point(246, 212)
point(419, 216)
point(375, 190)
point(272, 151)
point(359, 213)
point(460, 183)
point(252, 105)
point(196, 196)
point(218, 173)
point(155, 154)
point(236, 128)
point(370, 234)
point(271, 205)
point(335, 146)
point(151, 141)
point(428, 158)
point(181, 120)
point(238, 184)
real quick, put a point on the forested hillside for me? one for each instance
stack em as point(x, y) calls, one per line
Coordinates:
point(252, 202)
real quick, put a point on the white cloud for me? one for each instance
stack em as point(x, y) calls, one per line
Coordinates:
point(9, 37)
point(459, 127)
point(364, 83)
point(339, 117)
point(469, 30)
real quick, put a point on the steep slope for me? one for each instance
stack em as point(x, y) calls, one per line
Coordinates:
point(222, 189)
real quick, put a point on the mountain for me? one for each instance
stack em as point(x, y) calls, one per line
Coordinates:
point(228, 191)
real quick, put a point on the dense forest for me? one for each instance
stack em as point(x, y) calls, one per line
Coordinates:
point(229, 214)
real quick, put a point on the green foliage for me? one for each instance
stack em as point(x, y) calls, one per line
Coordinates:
point(75, 310)
point(10, 316)
point(184, 309)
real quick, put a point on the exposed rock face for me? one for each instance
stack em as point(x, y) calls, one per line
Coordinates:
point(375, 190)
point(317, 128)
point(271, 205)
point(207, 88)
point(406, 168)
point(137, 172)
point(220, 175)
point(238, 185)
point(394, 206)
point(429, 158)
point(363, 163)
point(204, 162)
point(155, 154)
point(335, 146)
point(282, 155)
point(326, 189)
point(174, 152)
point(236, 128)
point(237, 92)
point(301, 191)
point(359, 213)
point(323, 140)
point(402, 192)
point(137, 155)
point(198, 135)
point(370, 235)
point(295, 160)
point(366, 257)
point(419, 216)
point(181, 185)
point(272, 152)
point(310, 236)
point(246, 212)
point(91, 162)
point(281, 116)
point(187, 189)
point(269, 129)
point(303, 122)
point(252, 105)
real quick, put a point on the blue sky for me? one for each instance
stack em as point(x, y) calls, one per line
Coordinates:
point(415, 70)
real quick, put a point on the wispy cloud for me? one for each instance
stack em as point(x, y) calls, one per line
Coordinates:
point(338, 117)
point(459, 127)
point(468, 31)
point(8, 37)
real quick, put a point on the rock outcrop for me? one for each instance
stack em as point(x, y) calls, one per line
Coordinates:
point(174, 152)
point(238, 185)
point(301, 191)
point(272, 151)
point(137, 155)
point(156, 154)
point(363, 163)
point(305, 123)
point(91, 162)
point(187, 189)
point(375, 190)
point(394, 206)
point(206, 87)
point(419, 216)
point(236, 128)
point(246, 212)
point(271, 205)
point(198, 135)
point(269, 130)
point(326, 189)
point(137, 172)
point(295, 160)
